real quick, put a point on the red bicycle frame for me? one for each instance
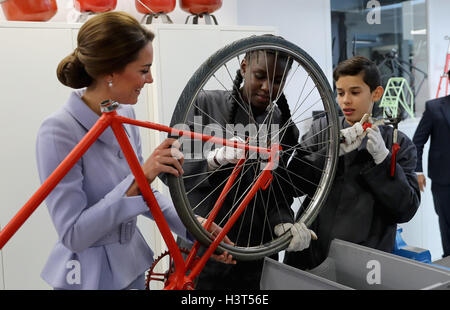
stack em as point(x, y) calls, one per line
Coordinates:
point(110, 118)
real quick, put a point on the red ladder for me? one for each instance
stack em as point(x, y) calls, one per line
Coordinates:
point(445, 75)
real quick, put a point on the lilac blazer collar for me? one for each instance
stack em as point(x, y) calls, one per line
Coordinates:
point(86, 117)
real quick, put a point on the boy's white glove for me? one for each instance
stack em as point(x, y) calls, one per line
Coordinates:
point(352, 136)
point(375, 145)
point(225, 155)
point(301, 235)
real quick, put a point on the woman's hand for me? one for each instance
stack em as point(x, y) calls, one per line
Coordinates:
point(166, 158)
point(215, 230)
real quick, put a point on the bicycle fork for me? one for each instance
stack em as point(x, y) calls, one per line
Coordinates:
point(262, 182)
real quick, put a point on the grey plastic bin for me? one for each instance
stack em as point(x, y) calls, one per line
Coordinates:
point(351, 266)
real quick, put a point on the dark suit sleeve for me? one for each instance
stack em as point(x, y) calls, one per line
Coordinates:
point(421, 135)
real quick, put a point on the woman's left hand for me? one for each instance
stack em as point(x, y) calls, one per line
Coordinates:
point(215, 230)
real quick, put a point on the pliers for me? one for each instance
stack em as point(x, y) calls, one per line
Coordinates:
point(395, 146)
point(368, 122)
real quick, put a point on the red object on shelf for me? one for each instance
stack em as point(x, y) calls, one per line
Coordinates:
point(96, 6)
point(445, 77)
point(156, 6)
point(200, 6)
point(29, 10)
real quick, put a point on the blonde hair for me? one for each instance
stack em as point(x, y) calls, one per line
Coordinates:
point(106, 44)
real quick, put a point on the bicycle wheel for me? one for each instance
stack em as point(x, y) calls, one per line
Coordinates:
point(272, 72)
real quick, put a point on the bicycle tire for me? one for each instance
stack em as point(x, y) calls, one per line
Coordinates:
point(187, 100)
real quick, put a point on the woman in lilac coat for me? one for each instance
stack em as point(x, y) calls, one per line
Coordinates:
point(95, 206)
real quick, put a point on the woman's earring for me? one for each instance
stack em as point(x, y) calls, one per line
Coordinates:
point(110, 84)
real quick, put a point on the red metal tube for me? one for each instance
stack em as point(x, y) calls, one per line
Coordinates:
point(50, 183)
point(150, 199)
point(217, 206)
point(262, 182)
point(194, 135)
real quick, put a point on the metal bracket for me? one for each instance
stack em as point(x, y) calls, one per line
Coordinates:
point(109, 106)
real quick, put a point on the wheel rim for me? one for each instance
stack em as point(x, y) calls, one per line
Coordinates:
point(306, 89)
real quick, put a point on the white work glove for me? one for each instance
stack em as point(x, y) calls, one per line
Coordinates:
point(225, 155)
point(375, 145)
point(353, 136)
point(301, 235)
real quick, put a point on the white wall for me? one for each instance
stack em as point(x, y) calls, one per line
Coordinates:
point(226, 15)
point(26, 99)
point(303, 22)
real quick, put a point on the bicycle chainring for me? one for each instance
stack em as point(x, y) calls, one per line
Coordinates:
point(162, 277)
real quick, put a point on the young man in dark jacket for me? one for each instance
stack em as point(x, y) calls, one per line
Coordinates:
point(365, 203)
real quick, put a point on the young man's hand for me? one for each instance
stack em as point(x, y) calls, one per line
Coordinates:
point(375, 145)
point(352, 136)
